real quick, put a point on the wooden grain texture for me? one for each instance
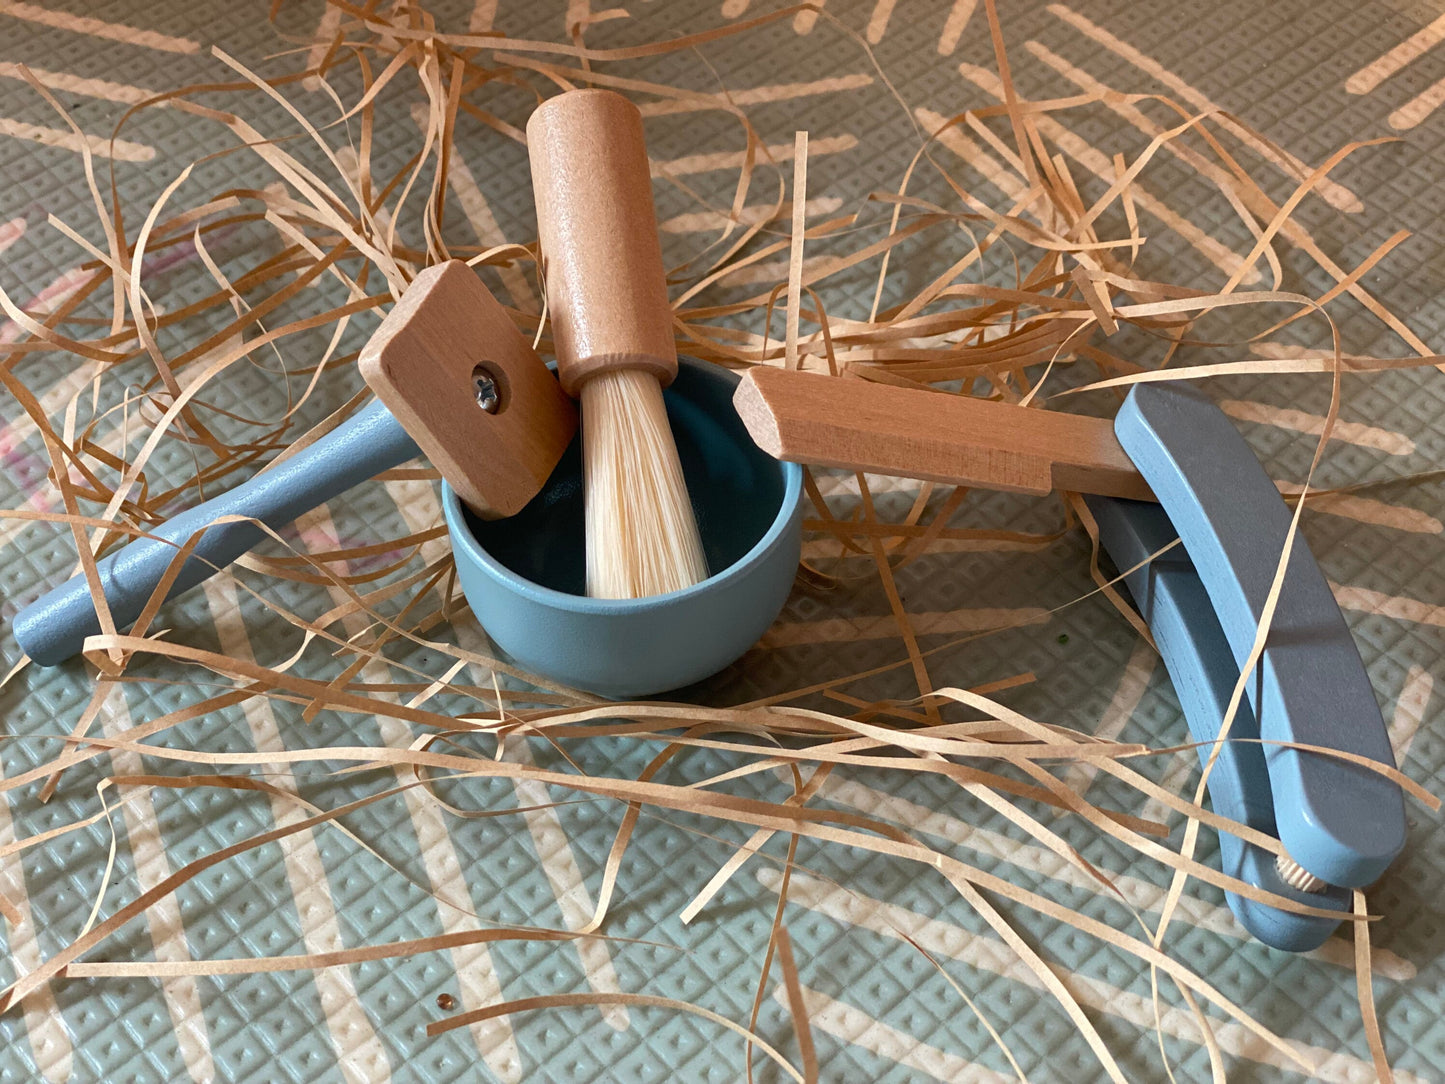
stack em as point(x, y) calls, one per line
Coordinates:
point(420, 364)
point(860, 425)
point(602, 261)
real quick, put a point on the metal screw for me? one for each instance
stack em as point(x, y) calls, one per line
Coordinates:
point(489, 394)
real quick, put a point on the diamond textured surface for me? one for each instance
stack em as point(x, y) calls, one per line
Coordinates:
point(880, 1010)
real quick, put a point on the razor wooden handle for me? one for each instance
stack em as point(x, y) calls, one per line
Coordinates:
point(861, 425)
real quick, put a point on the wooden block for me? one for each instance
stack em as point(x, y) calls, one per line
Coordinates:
point(421, 362)
point(861, 425)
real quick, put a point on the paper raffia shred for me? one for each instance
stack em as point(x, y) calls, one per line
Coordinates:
point(345, 240)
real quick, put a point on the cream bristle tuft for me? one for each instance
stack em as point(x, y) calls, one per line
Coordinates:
point(642, 537)
point(1296, 876)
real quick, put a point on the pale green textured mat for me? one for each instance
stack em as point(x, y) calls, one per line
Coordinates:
point(1312, 76)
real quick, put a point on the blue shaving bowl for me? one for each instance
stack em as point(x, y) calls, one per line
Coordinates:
point(524, 576)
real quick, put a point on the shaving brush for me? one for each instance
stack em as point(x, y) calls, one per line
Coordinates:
point(612, 330)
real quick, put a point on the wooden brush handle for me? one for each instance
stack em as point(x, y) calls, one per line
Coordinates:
point(601, 257)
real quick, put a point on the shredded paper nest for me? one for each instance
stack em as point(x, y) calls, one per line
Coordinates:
point(986, 265)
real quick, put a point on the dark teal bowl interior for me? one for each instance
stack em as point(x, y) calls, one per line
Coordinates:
point(735, 487)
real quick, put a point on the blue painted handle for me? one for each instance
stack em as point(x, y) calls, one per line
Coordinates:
point(1172, 600)
point(1340, 821)
point(53, 628)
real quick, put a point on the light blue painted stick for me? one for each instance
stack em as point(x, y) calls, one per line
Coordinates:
point(53, 628)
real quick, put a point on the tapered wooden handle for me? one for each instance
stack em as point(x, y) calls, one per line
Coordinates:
point(860, 425)
point(601, 257)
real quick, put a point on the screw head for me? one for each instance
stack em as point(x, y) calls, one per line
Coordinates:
point(488, 392)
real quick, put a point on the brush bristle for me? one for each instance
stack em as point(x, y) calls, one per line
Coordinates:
point(642, 537)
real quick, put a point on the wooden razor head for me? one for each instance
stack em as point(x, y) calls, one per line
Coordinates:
point(470, 390)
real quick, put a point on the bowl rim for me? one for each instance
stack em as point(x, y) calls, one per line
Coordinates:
point(461, 536)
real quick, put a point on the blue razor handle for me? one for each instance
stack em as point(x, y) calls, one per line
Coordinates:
point(1172, 600)
point(54, 627)
point(1339, 821)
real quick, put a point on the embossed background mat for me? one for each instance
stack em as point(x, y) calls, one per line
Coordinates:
point(1310, 75)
